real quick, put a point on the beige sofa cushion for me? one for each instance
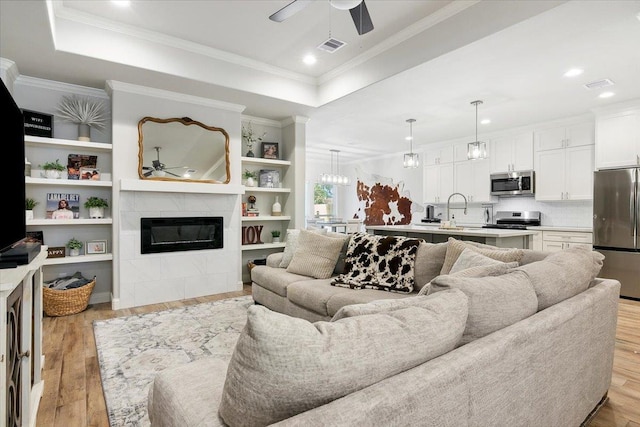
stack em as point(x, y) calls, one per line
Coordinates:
point(429, 260)
point(563, 274)
point(283, 366)
point(494, 302)
point(455, 248)
point(470, 258)
point(478, 271)
point(316, 255)
point(275, 279)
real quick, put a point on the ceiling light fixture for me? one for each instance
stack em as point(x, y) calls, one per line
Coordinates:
point(477, 149)
point(121, 3)
point(334, 177)
point(606, 95)
point(574, 72)
point(485, 121)
point(411, 159)
point(309, 59)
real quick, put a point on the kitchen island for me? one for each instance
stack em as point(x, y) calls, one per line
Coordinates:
point(503, 238)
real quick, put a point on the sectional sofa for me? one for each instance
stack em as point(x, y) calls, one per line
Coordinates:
point(532, 345)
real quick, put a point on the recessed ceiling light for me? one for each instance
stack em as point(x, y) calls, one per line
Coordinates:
point(309, 60)
point(574, 72)
point(121, 3)
point(485, 121)
point(606, 95)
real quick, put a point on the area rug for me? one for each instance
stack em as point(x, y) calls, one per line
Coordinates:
point(133, 349)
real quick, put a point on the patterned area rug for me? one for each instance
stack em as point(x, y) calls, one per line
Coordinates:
point(133, 349)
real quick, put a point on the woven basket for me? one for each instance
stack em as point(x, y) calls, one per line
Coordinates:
point(66, 302)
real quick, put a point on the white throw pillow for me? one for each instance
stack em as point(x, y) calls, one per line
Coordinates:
point(291, 244)
point(316, 255)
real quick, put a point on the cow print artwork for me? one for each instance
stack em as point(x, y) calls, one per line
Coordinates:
point(379, 262)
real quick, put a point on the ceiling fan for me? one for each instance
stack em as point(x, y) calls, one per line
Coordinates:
point(158, 168)
point(357, 8)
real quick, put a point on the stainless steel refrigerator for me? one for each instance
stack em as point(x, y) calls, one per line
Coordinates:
point(616, 226)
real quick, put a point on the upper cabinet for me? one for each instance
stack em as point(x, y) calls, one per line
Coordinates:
point(618, 139)
point(438, 183)
point(512, 153)
point(565, 174)
point(564, 136)
point(437, 156)
point(472, 178)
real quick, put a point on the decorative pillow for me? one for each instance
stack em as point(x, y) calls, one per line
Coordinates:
point(387, 305)
point(379, 262)
point(429, 260)
point(455, 248)
point(316, 255)
point(339, 269)
point(470, 258)
point(563, 274)
point(479, 271)
point(291, 244)
point(282, 365)
point(494, 302)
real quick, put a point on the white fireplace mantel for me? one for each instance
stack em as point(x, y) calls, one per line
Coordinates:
point(179, 187)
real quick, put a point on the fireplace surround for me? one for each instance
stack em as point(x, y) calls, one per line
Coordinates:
point(175, 234)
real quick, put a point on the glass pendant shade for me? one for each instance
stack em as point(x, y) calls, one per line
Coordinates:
point(411, 159)
point(476, 150)
point(334, 177)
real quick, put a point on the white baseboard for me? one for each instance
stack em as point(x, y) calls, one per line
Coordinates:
point(99, 297)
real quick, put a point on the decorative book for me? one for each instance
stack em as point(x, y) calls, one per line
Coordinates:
point(63, 206)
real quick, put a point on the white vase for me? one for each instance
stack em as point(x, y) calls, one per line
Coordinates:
point(29, 215)
point(276, 209)
point(276, 239)
point(84, 132)
point(74, 252)
point(96, 212)
point(251, 182)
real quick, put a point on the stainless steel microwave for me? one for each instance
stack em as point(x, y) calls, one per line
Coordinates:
point(519, 183)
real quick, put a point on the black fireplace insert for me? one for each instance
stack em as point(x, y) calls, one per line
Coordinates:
point(181, 234)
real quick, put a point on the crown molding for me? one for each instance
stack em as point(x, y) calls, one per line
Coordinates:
point(62, 87)
point(261, 121)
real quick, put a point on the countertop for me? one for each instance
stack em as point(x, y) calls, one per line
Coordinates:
point(533, 228)
point(476, 230)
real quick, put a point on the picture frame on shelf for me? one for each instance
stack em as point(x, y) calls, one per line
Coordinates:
point(96, 247)
point(76, 162)
point(89, 173)
point(56, 252)
point(270, 150)
point(35, 237)
point(269, 178)
point(38, 124)
point(56, 210)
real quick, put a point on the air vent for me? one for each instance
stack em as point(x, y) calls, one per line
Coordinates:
point(598, 84)
point(331, 45)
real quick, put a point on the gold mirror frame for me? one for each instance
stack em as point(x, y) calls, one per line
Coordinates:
point(145, 172)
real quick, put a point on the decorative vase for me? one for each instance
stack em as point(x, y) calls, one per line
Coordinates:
point(250, 153)
point(52, 174)
point(84, 132)
point(276, 239)
point(276, 209)
point(74, 252)
point(29, 215)
point(251, 182)
point(96, 212)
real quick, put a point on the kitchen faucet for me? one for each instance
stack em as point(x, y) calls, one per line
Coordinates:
point(449, 200)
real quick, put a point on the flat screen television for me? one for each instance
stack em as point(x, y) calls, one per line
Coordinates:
point(14, 249)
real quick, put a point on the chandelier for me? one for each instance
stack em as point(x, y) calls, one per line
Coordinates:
point(477, 149)
point(411, 159)
point(334, 177)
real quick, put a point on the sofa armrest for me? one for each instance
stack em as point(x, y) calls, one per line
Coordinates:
point(273, 260)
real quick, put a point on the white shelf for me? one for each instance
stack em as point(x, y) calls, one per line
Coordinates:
point(67, 182)
point(56, 142)
point(265, 218)
point(266, 190)
point(264, 162)
point(262, 246)
point(78, 259)
point(79, 221)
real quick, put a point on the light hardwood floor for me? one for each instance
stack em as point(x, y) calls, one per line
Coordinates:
point(73, 393)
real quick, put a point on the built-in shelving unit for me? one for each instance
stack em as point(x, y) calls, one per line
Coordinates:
point(266, 218)
point(78, 259)
point(258, 246)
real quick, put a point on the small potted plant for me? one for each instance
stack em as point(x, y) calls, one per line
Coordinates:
point(96, 206)
point(251, 177)
point(29, 204)
point(276, 236)
point(74, 246)
point(53, 170)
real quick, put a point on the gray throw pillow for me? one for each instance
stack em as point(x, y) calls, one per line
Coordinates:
point(478, 271)
point(429, 260)
point(455, 248)
point(316, 255)
point(494, 302)
point(470, 258)
point(339, 268)
point(283, 365)
point(563, 274)
point(291, 244)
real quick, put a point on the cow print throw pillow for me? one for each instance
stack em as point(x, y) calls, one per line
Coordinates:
point(379, 262)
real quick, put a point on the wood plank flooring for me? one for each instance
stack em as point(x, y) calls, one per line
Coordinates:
point(73, 393)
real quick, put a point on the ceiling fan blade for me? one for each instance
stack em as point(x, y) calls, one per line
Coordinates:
point(148, 173)
point(361, 18)
point(289, 10)
point(171, 173)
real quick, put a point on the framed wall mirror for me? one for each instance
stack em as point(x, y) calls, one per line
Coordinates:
point(182, 149)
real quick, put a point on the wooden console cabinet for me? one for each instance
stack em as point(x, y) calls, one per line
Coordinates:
point(21, 358)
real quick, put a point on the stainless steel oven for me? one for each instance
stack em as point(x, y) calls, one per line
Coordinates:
point(519, 183)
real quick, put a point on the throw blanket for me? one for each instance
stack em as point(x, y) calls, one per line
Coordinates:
point(379, 262)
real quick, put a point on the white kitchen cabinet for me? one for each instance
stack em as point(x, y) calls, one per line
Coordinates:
point(565, 174)
point(618, 139)
point(437, 156)
point(565, 136)
point(472, 178)
point(512, 153)
point(553, 241)
point(438, 183)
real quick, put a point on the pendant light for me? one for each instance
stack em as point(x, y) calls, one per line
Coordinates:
point(477, 149)
point(411, 159)
point(334, 177)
